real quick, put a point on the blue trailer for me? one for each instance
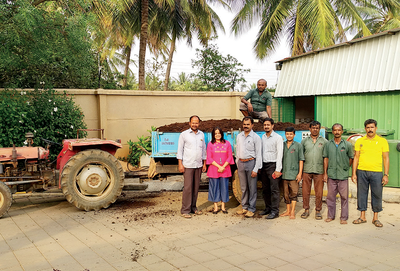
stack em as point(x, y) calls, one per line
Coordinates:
point(165, 144)
point(165, 147)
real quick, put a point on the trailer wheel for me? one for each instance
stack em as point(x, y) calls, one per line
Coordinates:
point(92, 179)
point(237, 192)
point(5, 199)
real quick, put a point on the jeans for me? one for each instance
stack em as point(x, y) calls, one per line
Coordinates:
point(218, 189)
point(366, 179)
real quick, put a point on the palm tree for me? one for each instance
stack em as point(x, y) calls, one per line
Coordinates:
point(183, 20)
point(308, 24)
point(380, 15)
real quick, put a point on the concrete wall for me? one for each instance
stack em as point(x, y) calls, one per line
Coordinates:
point(126, 114)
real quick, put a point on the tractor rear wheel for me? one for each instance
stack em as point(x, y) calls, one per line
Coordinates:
point(237, 192)
point(5, 199)
point(92, 179)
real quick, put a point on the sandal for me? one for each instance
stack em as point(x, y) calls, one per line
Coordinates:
point(377, 223)
point(225, 211)
point(215, 212)
point(186, 215)
point(305, 214)
point(197, 212)
point(318, 216)
point(359, 221)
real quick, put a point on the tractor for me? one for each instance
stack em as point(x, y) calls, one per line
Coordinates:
point(87, 172)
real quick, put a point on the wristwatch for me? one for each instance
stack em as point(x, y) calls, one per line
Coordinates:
point(386, 175)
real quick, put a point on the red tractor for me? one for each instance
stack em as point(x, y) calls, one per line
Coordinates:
point(87, 172)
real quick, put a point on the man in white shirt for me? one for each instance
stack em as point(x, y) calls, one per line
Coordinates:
point(192, 161)
point(249, 161)
point(272, 153)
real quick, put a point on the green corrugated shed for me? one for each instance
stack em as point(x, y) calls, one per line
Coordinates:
point(283, 110)
point(351, 110)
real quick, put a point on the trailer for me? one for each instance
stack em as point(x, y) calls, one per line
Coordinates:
point(165, 148)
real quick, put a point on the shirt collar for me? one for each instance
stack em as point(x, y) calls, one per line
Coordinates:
point(341, 140)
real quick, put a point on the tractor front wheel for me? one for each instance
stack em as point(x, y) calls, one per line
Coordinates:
point(92, 179)
point(5, 199)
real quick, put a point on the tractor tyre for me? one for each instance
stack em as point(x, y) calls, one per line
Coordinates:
point(5, 199)
point(237, 192)
point(92, 179)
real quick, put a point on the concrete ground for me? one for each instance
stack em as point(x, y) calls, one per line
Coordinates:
point(144, 231)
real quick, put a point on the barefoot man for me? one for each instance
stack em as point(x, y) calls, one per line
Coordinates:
point(293, 160)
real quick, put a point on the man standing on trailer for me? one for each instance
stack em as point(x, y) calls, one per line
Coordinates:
point(191, 161)
point(249, 162)
point(370, 150)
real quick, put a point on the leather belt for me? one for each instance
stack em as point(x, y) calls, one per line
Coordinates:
point(246, 160)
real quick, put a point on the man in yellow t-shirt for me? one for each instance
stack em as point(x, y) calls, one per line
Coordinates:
point(367, 171)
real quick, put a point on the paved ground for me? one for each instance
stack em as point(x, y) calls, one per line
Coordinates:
point(145, 232)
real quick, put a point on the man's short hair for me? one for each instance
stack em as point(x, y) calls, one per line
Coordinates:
point(315, 123)
point(270, 120)
point(290, 129)
point(248, 118)
point(337, 124)
point(370, 121)
point(194, 116)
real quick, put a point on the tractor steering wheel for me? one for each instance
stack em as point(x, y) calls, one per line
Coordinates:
point(50, 142)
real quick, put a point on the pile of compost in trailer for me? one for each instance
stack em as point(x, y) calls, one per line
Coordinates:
point(227, 125)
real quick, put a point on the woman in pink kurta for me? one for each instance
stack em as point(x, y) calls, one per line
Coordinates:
point(219, 157)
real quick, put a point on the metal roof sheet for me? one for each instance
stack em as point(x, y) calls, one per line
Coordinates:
point(369, 64)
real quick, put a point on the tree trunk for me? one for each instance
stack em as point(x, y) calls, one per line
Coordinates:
point(128, 59)
point(171, 54)
point(142, 44)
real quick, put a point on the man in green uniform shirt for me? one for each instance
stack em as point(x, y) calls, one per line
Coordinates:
point(313, 147)
point(338, 157)
point(260, 103)
point(293, 159)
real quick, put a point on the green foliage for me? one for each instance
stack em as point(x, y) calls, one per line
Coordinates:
point(45, 113)
point(50, 43)
point(217, 72)
point(187, 83)
point(135, 152)
point(155, 71)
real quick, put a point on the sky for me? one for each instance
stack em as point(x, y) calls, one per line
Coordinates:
point(240, 47)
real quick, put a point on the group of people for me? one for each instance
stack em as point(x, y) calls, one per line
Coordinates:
point(280, 163)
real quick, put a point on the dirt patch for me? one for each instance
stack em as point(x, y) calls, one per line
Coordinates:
point(227, 125)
